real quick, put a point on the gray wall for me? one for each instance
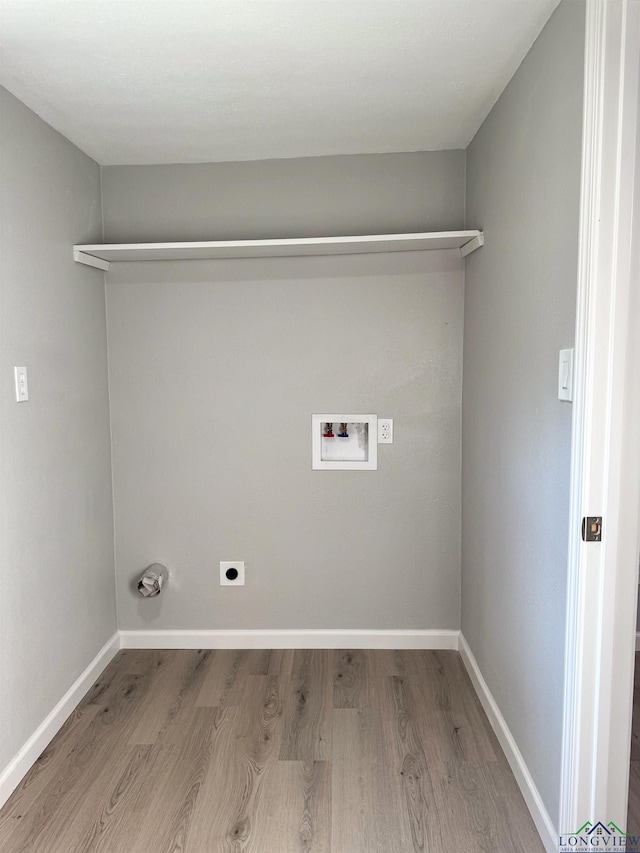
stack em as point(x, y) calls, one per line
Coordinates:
point(304, 197)
point(523, 183)
point(57, 603)
point(216, 368)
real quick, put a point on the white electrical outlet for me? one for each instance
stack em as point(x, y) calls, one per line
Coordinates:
point(232, 573)
point(385, 430)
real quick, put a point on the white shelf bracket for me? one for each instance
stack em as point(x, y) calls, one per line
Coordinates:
point(90, 260)
point(472, 245)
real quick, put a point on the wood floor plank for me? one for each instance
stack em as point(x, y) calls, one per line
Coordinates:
point(351, 809)
point(215, 806)
point(278, 810)
point(363, 818)
point(511, 824)
point(488, 815)
point(193, 678)
point(351, 679)
point(166, 825)
point(633, 811)
point(441, 684)
point(419, 795)
point(246, 743)
point(136, 661)
point(270, 661)
point(458, 752)
point(103, 682)
point(416, 662)
point(386, 662)
point(226, 679)
point(168, 705)
point(259, 727)
point(462, 802)
point(165, 695)
point(450, 734)
point(98, 822)
point(307, 708)
point(118, 824)
point(295, 808)
point(466, 703)
point(635, 726)
point(314, 829)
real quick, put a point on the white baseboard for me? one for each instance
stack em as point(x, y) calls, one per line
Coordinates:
point(18, 767)
point(291, 639)
point(540, 815)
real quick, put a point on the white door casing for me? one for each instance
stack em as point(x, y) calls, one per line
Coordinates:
point(605, 468)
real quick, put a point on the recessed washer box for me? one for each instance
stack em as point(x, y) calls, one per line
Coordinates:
point(344, 442)
point(232, 573)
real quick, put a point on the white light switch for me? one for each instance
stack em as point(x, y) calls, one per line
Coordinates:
point(565, 375)
point(22, 389)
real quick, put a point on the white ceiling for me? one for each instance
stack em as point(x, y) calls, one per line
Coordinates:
point(180, 81)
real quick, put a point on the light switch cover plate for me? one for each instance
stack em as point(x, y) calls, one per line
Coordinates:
point(22, 388)
point(565, 375)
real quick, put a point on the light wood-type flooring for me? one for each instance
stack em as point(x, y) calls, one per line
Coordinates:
point(273, 752)
point(633, 815)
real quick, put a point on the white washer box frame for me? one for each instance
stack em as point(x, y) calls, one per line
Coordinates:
point(320, 464)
